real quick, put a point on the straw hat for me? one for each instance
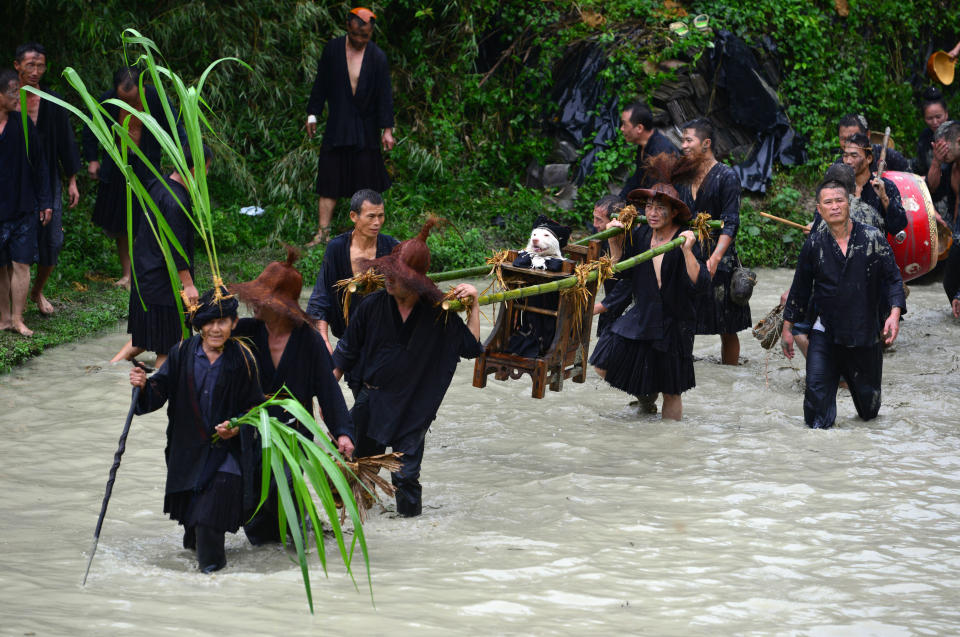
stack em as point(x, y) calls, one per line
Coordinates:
point(408, 263)
point(278, 287)
point(664, 192)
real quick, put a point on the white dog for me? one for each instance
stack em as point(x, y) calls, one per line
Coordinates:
point(542, 245)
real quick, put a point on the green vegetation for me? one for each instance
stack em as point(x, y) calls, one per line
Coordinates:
point(472, 89)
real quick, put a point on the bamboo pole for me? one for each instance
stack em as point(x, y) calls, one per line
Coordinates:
point(786, 222)
point(480, 270)
point(562, 284)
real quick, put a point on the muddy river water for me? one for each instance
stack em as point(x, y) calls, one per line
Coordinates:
point(566, 515)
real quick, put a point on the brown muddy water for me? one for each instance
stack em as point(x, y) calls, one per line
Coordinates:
point(566, 515)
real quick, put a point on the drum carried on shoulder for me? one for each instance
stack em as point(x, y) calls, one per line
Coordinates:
point(917, 248)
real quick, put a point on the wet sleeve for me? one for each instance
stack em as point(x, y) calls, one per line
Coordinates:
point(328, 393)
point(384, 94)
point(469, 346)
point(318, 96)
point(799, 297)
point(730, 204)
point(157, 390)
point(895, 216)
point(67, 153)
point(321, 302)
point(39, 170)
point(619, 298)
point(350, 346)
point(182, 230)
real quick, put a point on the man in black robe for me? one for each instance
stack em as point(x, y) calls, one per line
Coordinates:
point(207, 380)
point(636, 124)
point(849, 269)
point(353, 80)
point(715, 189)
point(290, 354)
point(850, 125)
point(63, 162)
point(410, 349)
point(365, 241)
point(25, 203)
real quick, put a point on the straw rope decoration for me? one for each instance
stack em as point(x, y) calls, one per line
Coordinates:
point(496, 262)
point(365, 282)
point(579, 294)
point(701, 224)
point(628, 217)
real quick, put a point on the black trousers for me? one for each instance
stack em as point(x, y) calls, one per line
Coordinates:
point(407, 480)
point(861, 367)
point(951, 272)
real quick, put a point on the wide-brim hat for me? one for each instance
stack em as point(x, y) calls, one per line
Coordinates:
point(278, 287)
point(560, 231)
point(408, 263)
point(665, 192)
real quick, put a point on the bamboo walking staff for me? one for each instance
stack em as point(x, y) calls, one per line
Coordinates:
point(882, 160)
point(562, 284)
point(786, 222)
point(110, 480)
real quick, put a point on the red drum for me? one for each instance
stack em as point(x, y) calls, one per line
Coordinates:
point(916, 248)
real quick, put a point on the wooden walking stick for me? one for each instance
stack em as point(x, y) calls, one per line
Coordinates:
point(113, 476)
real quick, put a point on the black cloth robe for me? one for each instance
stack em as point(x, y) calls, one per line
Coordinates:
point(354, 120)
point(407, 365)
point(326, 302)
point(56, 135)
point(658, 143)
point(192, 461)
point(718, 195)
point(305, 368)
point(24, 176)
point(149, 267)
point(852, 293)
point(662, 313)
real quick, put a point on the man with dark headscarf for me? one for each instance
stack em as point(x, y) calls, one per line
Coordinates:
point(410, 349)
point(207, 380)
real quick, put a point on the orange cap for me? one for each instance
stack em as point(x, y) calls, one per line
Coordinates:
point(363, 13)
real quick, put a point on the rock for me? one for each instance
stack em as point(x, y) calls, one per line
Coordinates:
point(534, 175)
point(567, 192)
point(563, 152)
point(556, 175)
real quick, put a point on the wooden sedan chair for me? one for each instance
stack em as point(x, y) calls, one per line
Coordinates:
point(567, 355)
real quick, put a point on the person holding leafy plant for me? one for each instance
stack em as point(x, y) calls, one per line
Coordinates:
point(206, 380)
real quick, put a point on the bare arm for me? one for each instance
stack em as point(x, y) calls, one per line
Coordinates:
point(714, 261)
point(189, 290)
point(689, 260)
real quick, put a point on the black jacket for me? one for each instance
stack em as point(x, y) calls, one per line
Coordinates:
point(191, 458)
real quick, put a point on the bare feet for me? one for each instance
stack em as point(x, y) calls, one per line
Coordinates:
point(46, 307)
point(122, 282)
point(21, 328)
point(126, 353)
point(322, 236)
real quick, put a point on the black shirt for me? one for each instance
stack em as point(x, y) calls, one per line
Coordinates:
point(56, 135)
point(354, 120)
point(407, 365)
point(24, 178)
point(852, 293)
point(656, 309)
point(719, 196)
point(658, 143)
point(149, 267)
point(305, 368)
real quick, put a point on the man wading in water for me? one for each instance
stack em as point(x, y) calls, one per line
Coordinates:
point(850, 270)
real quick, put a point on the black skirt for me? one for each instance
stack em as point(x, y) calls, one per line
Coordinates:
point(716, 311)
point(155, 330)
point(637, 368)
point(219, 506)
point(343, 171)
point(110, 208)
